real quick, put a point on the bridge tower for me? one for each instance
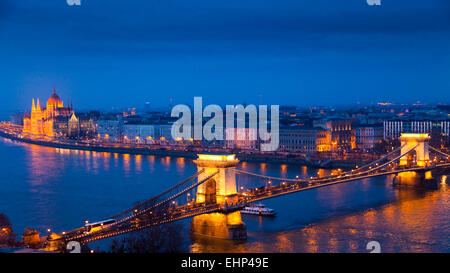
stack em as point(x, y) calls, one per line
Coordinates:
point(219, 189)
point(420, 142)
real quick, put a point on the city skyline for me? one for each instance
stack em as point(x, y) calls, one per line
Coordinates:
point(306, 54)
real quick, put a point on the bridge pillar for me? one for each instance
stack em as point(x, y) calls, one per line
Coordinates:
point(411, 140)
point(219, 189)
point(416, 178)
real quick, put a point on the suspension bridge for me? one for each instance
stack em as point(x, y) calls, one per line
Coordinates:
point(212, 197)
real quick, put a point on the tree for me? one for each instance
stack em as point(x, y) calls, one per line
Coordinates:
point(155, 239)
point(6, 232)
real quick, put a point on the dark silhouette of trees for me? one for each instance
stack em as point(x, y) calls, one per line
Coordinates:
point(7, 237)
point(166, 238)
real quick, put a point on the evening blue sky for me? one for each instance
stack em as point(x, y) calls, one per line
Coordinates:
point(106, 54)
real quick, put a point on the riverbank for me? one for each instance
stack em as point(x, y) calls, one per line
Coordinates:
point(146, 150)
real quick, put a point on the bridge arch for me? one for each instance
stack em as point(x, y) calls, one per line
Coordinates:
point(221, 185)
point(418, 143)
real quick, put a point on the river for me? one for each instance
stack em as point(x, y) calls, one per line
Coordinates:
point(43, 188)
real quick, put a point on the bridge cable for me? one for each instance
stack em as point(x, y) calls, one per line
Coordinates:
point(168, 199)
point(153, 199)
point(439, 151)
point(305, 180)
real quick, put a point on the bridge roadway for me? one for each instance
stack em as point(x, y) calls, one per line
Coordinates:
point(155, 217)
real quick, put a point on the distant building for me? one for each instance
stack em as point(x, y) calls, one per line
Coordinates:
point(439, 129)
point(298, 140)
point(323, 141)
point(304, 140)
point(109, 130)
point(81, 127)
point(367, 136)
point(341, 132)
point(241, 138)
point(165, 133)
point(393, 128)
point(140, 133)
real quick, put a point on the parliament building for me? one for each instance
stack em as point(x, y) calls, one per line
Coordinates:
point(55, 120)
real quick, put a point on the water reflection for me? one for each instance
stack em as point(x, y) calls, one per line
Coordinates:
point(46, 187)
point(180, 164)
point(138, 163)
point(126, 164)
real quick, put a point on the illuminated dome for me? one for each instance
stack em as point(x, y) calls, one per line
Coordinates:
point(54, 101)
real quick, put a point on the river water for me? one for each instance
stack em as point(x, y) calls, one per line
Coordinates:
point(59, 189)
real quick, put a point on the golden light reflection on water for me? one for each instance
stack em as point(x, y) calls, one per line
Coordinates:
point(106, 160)
point(304, 171)
point(180, 163)
point(116, 160)
point(283, 243)
point(126, 163)
point(87, 160)
point(165, 161)
point(42, 163)
point(311, 240)
point(95, 162)
point(138, 163)
point(151, 163)
point(283, 170)
point(263, 167)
